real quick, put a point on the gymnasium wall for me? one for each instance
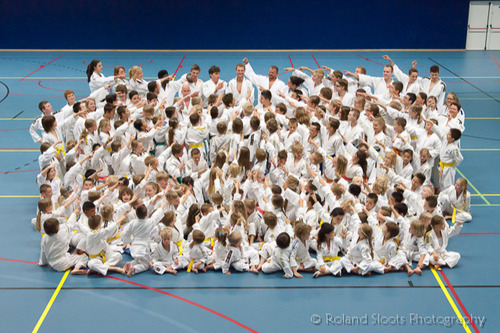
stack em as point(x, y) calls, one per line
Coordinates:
point(237, 24)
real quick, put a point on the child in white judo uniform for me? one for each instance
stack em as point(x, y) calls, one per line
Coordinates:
point(101, 254)
point(437, 241)
point(55, 247)
point(165, 254)
point(280, 259)
point(137, 233)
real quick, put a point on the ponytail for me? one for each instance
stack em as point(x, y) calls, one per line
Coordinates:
point(38, 225)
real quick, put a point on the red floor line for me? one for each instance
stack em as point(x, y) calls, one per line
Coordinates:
point(180, 65)
point(291, 63)
point(184, 300)
point(479, 233)
point(459, 302)
point(41, 67)
point(16, 129)
point(316, 61)
point(494, 60)
point(44, 87)
point(19, 171)
point(359, 55)
point(22, 261)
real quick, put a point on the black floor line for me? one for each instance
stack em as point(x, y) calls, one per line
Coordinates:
point(461, 78)
point(250, 288)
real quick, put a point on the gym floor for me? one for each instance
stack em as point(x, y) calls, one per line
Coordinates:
point(40, 299)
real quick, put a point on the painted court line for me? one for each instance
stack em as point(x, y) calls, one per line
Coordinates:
point(49, 305)
point(21, 261)
point(41, 67)
point(480, 149)
point(479, 233)
point(471, 322)
point(180, 66)
point(19, 150)
point(486, 205)
point(184, 300)
point(475, 189)
point(316, 61)
point(450, 300)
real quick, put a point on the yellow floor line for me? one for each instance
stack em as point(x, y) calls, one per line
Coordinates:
point(486, 195)
point(475, 189)
point(450, 300)
point(52, 299)
point(485, 205)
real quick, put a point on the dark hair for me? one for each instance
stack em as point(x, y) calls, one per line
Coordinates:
point(87, 205)
point(152, 86)
point(150, 96)
point(398, 86)
point(354, 189)
point(267, 94)
point(91, 67)
point(455, 133)
point(362, 160)
point(431, 201)
point(48, 122)
point(295, 80)
point(372, 196)
point(412, 97)
point(421, 177)
point(325, 229)
point(337, 212)
point(401, 208)
point(398, 196)
point(111, 98)
point(142, 212)
point(51, 226)
point(283, 240)
point(213, 69)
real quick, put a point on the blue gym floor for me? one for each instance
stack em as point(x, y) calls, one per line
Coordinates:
point(188, 302)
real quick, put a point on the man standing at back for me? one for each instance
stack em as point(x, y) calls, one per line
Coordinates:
point(269, 82)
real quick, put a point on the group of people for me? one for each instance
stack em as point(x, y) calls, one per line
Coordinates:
point(331, 172)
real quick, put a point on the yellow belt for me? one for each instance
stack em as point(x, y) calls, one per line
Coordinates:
point(43, 234)
point(179, 245)
point(196, 146)
point(109, 149)
point(414, 137)
point(60, 150)
point(443, 165)
point(101, 254)
point(113, 238)
point(190, 266)
point(330, 259)
point(211, 239)
point(382, 261)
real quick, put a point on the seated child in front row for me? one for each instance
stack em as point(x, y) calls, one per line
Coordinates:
point(280, 259)
point(164, 256)
point(238, 256)
point(102, 256)
point(55, 247)
point(437, 241)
